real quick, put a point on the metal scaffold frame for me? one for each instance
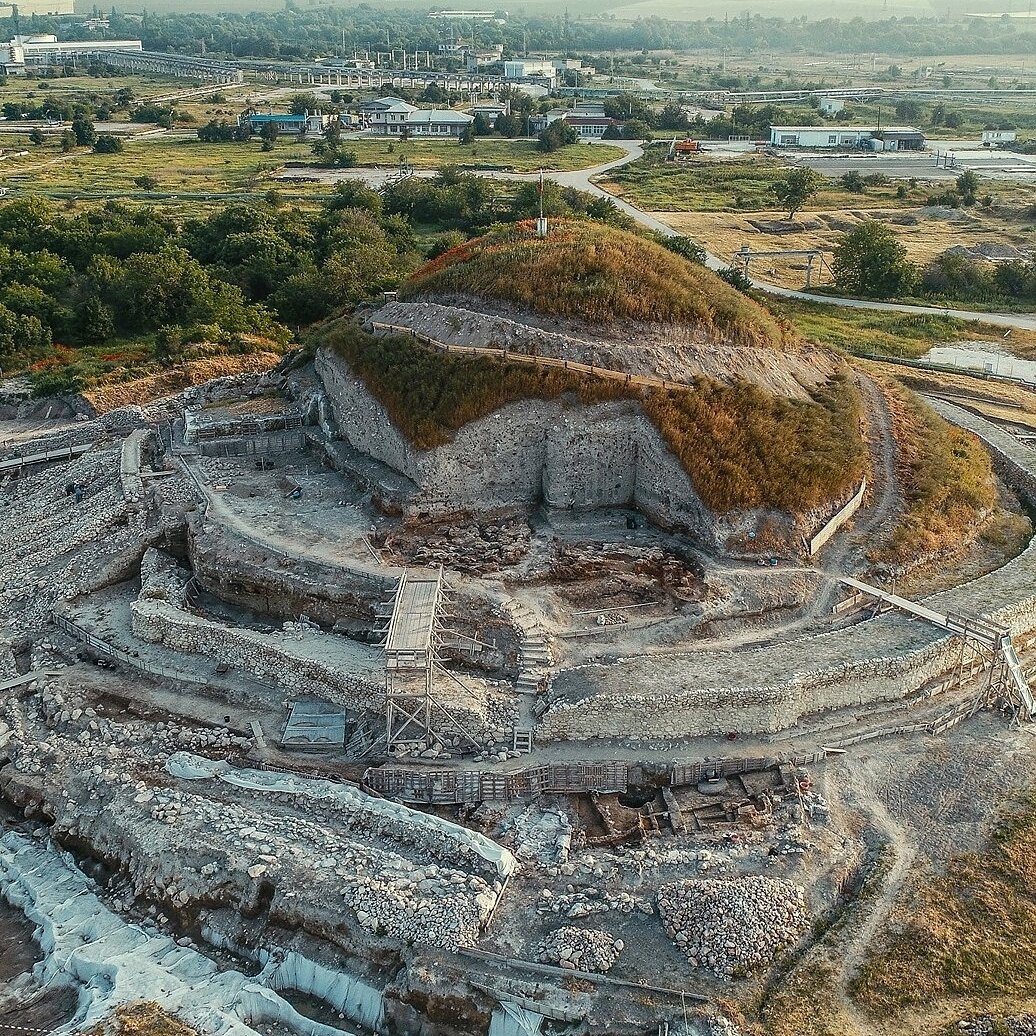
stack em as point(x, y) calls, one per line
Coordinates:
point(413, 634)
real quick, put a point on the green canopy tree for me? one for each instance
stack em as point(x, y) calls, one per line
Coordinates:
point(871, 262)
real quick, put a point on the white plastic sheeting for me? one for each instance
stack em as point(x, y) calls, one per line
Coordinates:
point(192, 767)
point(357, 1000)
point(513, 1020)
point(110, 962)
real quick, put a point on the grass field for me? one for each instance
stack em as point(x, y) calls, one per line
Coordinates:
point(717, 185)
point(924, 235)
point(187, 165)
point(494, 152)
point(968, 935)
point(893, 334)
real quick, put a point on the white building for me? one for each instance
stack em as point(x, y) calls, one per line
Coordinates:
point(385, 115)
point(391, 117)
point(831, 105)
point(45, 49)
point(526, 69)
point(438, 122)
point(993, 137)
point(887, 138)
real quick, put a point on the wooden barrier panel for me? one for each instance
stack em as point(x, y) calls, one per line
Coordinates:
point(843, 514)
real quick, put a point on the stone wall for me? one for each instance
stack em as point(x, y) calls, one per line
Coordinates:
point(763, 690)
point(161, 622)
point(562, 452)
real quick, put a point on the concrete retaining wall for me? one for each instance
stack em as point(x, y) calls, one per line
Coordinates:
point(844, 513)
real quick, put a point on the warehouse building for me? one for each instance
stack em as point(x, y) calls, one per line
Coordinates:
point(886, 138)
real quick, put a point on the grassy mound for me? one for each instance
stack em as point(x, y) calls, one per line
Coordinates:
point(596, 273)
point(741, 447)
point(946, 475)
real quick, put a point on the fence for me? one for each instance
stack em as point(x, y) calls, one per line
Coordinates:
point(81, 633)
point(64, 453)
point(440, 787)
point(639, 380)
point(842, 515)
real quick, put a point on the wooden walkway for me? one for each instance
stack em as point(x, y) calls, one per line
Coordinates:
point(65, 453)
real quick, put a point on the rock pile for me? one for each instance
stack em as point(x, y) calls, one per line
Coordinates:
point(732, 927)
point(580, 949)
point(1013, 1025)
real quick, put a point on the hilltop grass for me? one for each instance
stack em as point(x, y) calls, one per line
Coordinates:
point(968, 934)
point(945, 474)
point(597, 273)
point(741, 447)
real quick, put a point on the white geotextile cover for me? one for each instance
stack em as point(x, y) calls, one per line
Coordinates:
point(110, 962)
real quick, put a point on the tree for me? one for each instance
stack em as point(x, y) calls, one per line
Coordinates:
point(146, 183)
point(672, 117)
point(967, 186)
point(853, 181)
point(508, 125)
point(612, 132)
point(68, 141)
point(36, 137)
point(480, 127)
point(685, 246)
point(797, 188)
point(268, 134)
point(556, 135)
point(83, 131)
point(467, 135)
point(107, 144)
point(870, 261)
point(636, 129)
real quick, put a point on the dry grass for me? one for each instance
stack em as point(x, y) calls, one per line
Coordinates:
point(600, 274)
point(163, 383)
point(741, 447)
point(142, 1018)
point(946, 477)
point(969, 933)
point(924, 237)
point(745, 448)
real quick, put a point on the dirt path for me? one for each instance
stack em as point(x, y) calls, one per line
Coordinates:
point(848, 553)
point(865, 794)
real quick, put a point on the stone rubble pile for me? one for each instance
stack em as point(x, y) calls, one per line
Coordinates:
point(477, 548)
point(1012, 1025)
point(732, 926)
point(585, 903)
point(331, 854)
point(580, 949)
point(539, 835)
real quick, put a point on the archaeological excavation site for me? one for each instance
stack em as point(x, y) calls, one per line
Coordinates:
point(561, 644)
